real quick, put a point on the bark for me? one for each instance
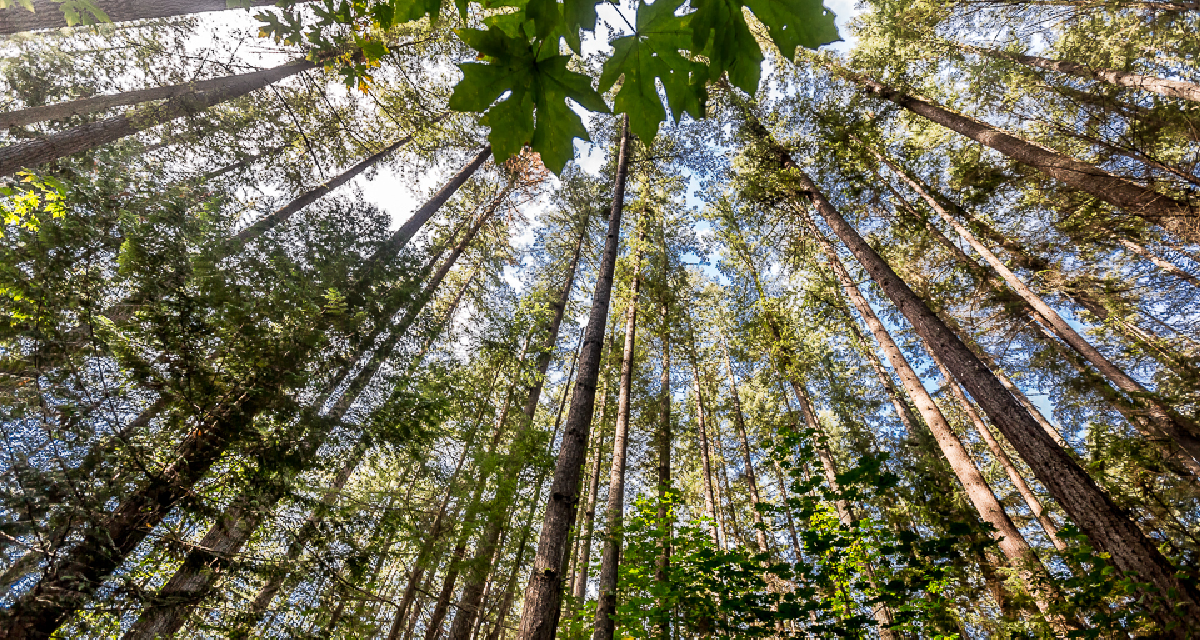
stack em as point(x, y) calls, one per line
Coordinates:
point(662, 570)
point(1176, 217)
point(1109, 529)
point(464, 619)
point(64, 110)
point(283, 214)
point(434, 628)
point(1168, 423)
point(48, 14)
point(89, 136)
point(791, 522)
point(710, 502)
point(610, 559)
point(1153, 84)
point(740, 423)
point(543, 596)
point(105, 543)
point(1160, 262)
point(1009, 538)
point(579, 590)
point(1001, 456)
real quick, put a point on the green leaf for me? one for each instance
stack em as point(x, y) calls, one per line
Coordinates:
point(720, 31)
point(796, 23)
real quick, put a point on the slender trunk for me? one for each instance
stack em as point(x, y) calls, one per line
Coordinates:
point(89, 136)
point(740, 423)
point(464, 619)
point(710, 501)
point(454, 565)
point(1085, 503)
point(610, 559)
point(1175, 216)
point(787, 510)
point(663, 568)
point(579, 590)
point(1001, 456)
point(282, 215)
point(1160, 262)
point(47, 14)
point(543, 596)
point(1167, 422)
point(1153, 84)
point(75, 575)
point(64, 110)
point(416, 610)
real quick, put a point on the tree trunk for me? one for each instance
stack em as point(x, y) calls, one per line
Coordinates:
point(614, 515)
point(1010, 539)
point(282, 215)
point(89, 136)
point(1175, 216)
point(1153, 84)
point(64, 110)
point(663, 567)
point(1159, 262)
point(579, 590)
point(791, 522)
point(69, 581)
point(1168, 423)
point(48, 14)
point(543, 596)
point(1085, 503)
point(740, 423)
point(464, 618)
point(710, 501)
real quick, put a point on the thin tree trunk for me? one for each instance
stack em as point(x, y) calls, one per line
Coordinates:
point(464, 618)
point(579, 590)
point(1001, 456)
point(787, 510)
point(663, 567)
point(1010, 539)
point(70, 580)
point(710, 501)
point(283, 214)
point(48, 14)
point(606, 605)
point(1159, 261)
point(1175, 216)
point(740, 423)
point(64, 110)
point(1085, 503)
point(1153, 84)
point(89, 136)
point(543, 596)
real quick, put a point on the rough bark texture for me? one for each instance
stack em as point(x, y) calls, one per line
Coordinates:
point(610, 559)
point(38, 151)
point(543, 596)
point(1177, 217)
point(48, 14)
point(1091, 509)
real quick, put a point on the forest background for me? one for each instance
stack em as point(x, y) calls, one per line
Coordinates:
point(534, 318)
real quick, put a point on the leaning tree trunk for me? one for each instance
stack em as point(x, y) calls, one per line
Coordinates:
point(1173, 215)
point(48, 14)
point(1153, 84)
point(606, 605)
point(89, 136)
point(1011, 541)
point(473, 587)
point(543, 596)
point(1160, 262)
point(1085, 503)
point(1167, 422)
point(64, 110)
point(75, 575)
point(739, 422)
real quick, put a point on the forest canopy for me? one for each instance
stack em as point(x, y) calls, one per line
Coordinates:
point(554, 318)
